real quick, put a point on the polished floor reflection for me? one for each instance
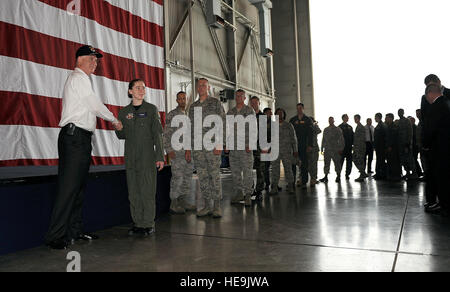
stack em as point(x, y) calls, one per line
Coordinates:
point(372, 226)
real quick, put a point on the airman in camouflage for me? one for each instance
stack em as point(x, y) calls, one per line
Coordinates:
point(313, 156)
point(241, 161)
point(287, 153)
point(405, 136)
point(332, 147)
point(180, 184)
point(207, 162)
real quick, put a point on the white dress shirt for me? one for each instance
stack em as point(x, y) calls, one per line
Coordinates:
point(80, 105)
point(369, 130)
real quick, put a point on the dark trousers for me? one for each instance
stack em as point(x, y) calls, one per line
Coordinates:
point(303, 166)
point(416, 162)
point(258, 165)
point(369, 155)
point(431, 181)
point(347, 155)
point(394, 168)
point(380, 166)
point(74, 160)
point(267, 173)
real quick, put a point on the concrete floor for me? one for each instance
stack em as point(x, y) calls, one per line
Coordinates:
point(371, 226)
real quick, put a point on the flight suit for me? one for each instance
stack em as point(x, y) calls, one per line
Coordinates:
point(347, 131)
point(304, 132)
point(142, 132)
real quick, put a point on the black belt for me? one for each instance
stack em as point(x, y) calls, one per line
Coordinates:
point(70, 129)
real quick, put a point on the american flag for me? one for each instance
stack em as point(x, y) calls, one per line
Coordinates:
point(38, 41)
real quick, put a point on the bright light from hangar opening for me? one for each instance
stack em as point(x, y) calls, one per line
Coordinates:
point(372, 56)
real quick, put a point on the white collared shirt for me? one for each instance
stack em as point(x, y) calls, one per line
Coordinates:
point(80, 104)
point(369, 130)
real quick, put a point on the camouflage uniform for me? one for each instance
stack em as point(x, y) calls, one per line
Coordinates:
point(241, 162)
point(313, 156)
point(359, 149)
point(206, 163)
point(405, 136)
point(258, 165)
point(332, 143)
point(180, 184)
point(288, 145)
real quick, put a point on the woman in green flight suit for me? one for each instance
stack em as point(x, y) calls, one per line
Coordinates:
point(142, 132)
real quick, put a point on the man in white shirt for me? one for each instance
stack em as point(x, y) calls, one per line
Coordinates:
point(81, 107)
point(369, 144)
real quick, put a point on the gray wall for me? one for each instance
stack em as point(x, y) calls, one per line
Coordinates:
point(289, 88)
point(206, 59)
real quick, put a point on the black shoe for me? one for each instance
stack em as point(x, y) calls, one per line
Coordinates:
point(258, 195)
point(134, 230)
point(347, 177)
point(338, 179)
point(427, 205)
point(148, 231)
point(58, 244)
point(280, 189)
point(435, 208)
point(87, 237)
point(324, 180)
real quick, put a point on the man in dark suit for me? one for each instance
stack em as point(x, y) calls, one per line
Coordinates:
point(394, 170)
point(380, 147)
point(424, 104)
point(437, 143)
point(348, 133)
point(424, 110)
point(415, 147)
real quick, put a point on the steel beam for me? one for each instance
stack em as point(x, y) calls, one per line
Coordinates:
point(180, 27)
point(255, 47)
point(246, 39)
point(218, 47)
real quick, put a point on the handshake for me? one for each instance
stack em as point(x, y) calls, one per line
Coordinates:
point(118, 125)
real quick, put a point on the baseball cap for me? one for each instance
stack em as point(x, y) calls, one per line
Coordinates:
point(87, 51)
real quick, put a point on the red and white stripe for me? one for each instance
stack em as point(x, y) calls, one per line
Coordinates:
point(39, 39)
